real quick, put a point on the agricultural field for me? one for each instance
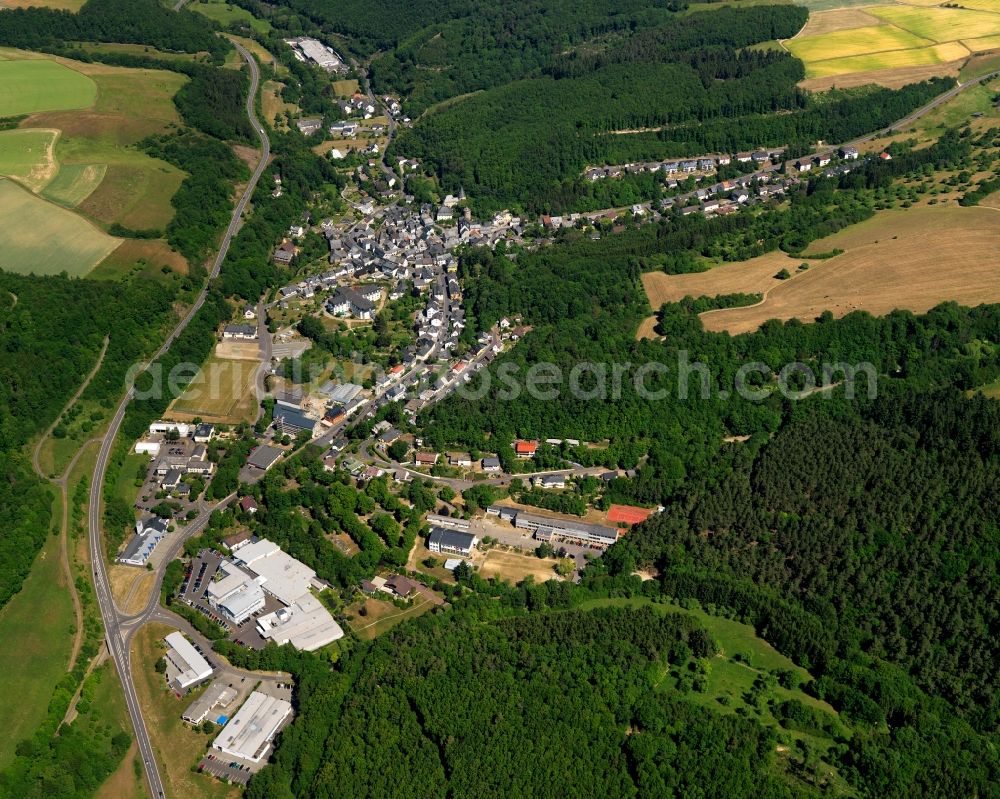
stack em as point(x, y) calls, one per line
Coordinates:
point(838, 44)
point(747, 277)
point(31, 85)
point(226, 15)
point(892, 44)
point(223, 391)
point(936, 55)
point(897, 259)
point(79, 153)
point(45, 239)
point(940, 24)
point(74, 183)
point(28, 156)
point(64, 5)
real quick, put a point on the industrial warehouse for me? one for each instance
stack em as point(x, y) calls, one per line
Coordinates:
point(186, 666)
point(248, 734)
point(262, 577)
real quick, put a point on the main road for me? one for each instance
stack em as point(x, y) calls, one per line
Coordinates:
point(117, 640)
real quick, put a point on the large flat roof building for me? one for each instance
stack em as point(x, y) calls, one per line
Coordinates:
point(306, 625)
point(188, 665)
point(282, 576)
point(237, 596)
point(248, 734)
point(549, 528)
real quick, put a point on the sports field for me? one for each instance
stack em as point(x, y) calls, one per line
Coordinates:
point(919, 38)
point(43, 238)
point(897, 259)
point(28, 156)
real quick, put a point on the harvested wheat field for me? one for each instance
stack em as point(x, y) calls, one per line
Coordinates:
point(838, 19)
point(890, 78)
point(745, 277)
point(911, 259)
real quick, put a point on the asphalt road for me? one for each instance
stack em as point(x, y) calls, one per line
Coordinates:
point(116, 636)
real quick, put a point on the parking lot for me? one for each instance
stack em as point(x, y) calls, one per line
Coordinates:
point(523, 539)
point(226, 769)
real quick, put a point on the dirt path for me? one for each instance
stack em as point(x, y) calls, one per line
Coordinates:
point(83, 387)
point(64, 555)
point(62, 484)
point(99, 658)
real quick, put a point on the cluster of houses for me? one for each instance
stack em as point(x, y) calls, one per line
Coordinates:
point(687, 166)
point(822, 160)
point(175, 449)
point(307, 49)
point(357, 105)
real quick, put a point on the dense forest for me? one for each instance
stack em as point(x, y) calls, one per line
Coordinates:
point(60, 324)
point(129, 21)
point(557, 701)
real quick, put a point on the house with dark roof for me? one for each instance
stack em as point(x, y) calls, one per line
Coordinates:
point(453, 542)
point(243, 332)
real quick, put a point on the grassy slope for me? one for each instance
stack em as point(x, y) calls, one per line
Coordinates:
point(36, 627)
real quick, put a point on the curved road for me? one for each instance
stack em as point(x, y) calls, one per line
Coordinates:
point(117, 640)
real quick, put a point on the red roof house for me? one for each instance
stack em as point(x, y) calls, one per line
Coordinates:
point(525, 449)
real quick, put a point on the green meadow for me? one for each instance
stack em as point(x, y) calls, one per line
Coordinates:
point(46, 239)
point(33, 85)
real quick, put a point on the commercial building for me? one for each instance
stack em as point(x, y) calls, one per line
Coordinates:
point(279, 574)
point(148, 533)
point(218, 694)
point(248, 734)
point(237, 596)
point(185, 665)
point(183, 430)
point(453, 542)
point(305, 624)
